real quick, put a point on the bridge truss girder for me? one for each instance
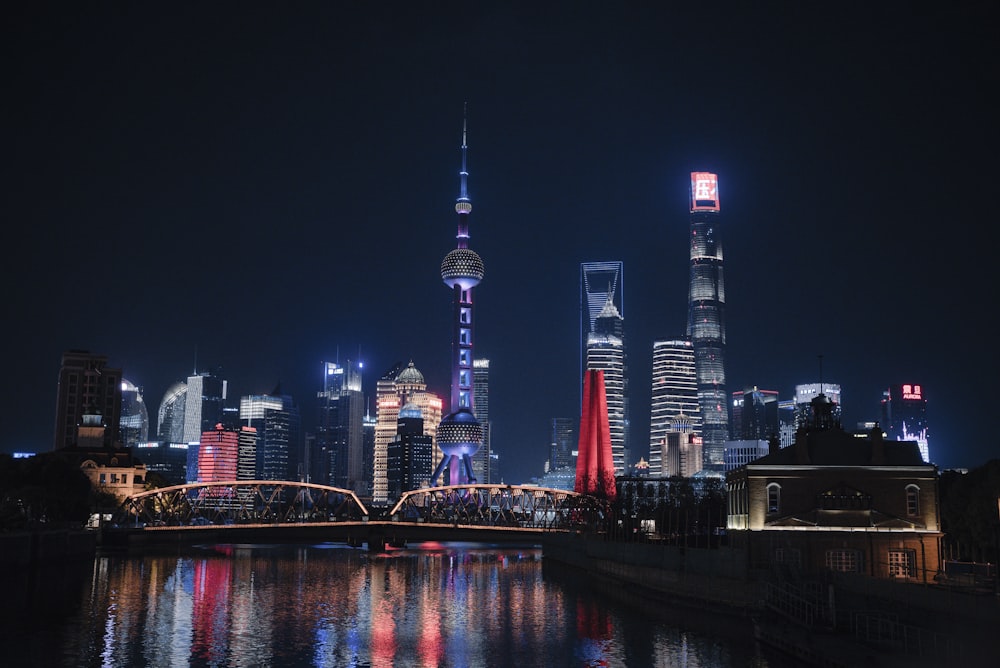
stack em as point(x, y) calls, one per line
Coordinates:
point(240, 502)
point(526, 507)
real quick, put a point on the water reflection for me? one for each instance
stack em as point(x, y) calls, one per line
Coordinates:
point(440, 605)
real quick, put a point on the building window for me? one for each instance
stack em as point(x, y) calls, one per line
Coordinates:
point(902, 563)
point(773, 498)
point(844, 561)
point(788, 555)
point(103, 478)
point(912, 500)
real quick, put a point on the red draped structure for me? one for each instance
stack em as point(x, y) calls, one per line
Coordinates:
point(595, 469)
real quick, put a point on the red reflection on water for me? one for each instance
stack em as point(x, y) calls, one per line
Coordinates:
point(210, 607)
point(594, 629)
point(383, 635)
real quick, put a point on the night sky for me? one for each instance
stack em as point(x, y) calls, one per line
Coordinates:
point(261, 187)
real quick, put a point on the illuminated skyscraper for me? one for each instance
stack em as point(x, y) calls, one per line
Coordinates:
point(278, 423)
point(674, 397)
point(170, 416)
point(460, 434)
point(203, 403)
point(336, 451)
point(397, 387)
point(134, 422)
point(904, 416)
point(87, 386)
point(599, 282)
point(595, 471)
point(409, 456)
point(218, 455)
point(481, 388)
point(706, 326)
point(606, 352)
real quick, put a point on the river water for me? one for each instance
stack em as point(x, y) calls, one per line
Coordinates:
point(330, 605)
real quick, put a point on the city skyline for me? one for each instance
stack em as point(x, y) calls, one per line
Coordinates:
point(254, 191)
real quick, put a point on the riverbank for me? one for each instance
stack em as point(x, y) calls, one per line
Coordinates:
point(44, 546)
point(716, 584)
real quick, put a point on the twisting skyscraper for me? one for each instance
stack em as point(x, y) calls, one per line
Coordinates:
point(706, 326)
point(460, 434)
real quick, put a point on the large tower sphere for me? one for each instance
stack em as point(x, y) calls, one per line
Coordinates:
point(459, 434)
point(462, 267)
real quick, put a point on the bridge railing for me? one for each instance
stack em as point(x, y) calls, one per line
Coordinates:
point(239, 502)
point(514, 506)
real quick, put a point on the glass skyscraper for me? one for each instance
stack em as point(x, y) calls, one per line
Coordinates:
point(674, 398)
point(606, 352)
point(706, 325)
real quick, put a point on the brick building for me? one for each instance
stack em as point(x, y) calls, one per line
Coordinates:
point(833, 501)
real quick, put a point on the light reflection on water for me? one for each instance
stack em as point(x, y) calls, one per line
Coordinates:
point(330, 605)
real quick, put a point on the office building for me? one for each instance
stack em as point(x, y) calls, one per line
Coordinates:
point(904, 415)
point(742, 452)
point(218, 454)
point(203, 404)
point(336, 456)
point(87, 386)
point(674, 397)
point(276, 418)
point(170, 415)
point(133, 425)
point(804, 395)
point(606, 352)
point(678, 453)
point(562, 444)
point(706, 325)
point(754, 414)
point(397, 387)
point(168, 460)
point(599, 282)
point(409, 456)
point(481, 389)
point(460, 434)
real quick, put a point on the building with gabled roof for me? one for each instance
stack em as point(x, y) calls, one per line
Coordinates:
point(833, 501)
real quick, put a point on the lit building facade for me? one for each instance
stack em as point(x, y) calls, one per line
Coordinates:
point(204, 400)
point(904, 415)
point(835, 502)
point(336, 456)
point(755, 414)
point(678, 453)
point(397, 387)
point(87, 386)
point(218, 454)
point(481, 388)
point(460, 434)
point(804, 395)
point(168, 460)
point(744, 451)
point(606, 352)
point(170, 415)
point(409, 458)
point(674, 397)
point(133, 425)
point(276, 418)
point(706, 325)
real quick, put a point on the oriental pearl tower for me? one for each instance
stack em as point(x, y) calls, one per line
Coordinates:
point(459, 435)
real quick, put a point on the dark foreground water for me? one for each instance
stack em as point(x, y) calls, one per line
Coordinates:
point(330, 605)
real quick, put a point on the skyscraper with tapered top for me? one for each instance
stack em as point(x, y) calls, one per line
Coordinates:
point(460, 434)
point(706, 325)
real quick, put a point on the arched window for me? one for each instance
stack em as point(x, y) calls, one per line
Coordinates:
point(912, 500)
point(773, 498)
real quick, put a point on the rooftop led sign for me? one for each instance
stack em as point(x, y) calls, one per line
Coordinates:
point(912, 392)
point(704, 191)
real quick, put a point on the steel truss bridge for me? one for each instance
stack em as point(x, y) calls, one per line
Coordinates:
point(244, 510)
